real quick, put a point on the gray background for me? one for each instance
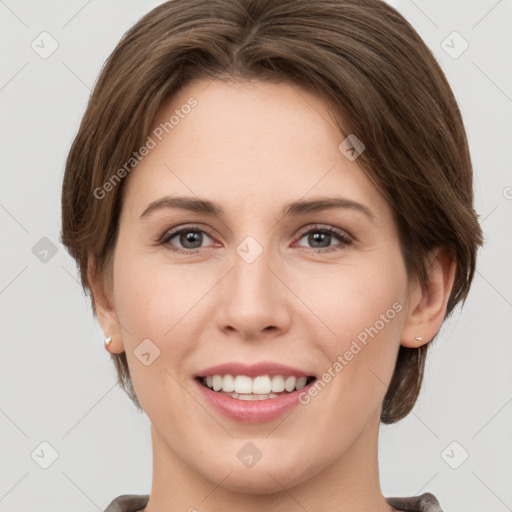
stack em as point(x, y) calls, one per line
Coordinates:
point(57, 382)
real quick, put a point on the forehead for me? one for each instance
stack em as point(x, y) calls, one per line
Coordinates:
point(247, 145)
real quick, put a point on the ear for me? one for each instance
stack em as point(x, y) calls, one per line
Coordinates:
point(105, 312)
point(427, 307)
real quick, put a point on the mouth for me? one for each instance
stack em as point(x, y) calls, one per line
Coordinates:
point(261, 387)
point(255, 393)
point(252, 393)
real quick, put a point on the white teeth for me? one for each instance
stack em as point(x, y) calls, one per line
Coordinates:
point(253, 397)
point(228, 384)
point(301, 382)
point(217, 382)
point(289, 383)
point(261, 387)
point(243, 384)
point(277, 384)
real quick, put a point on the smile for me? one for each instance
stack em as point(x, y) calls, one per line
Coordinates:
point(252, 393)
point(262, 387)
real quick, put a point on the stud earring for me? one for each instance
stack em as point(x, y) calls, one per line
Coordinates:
point(108, 341)
point(418, 338)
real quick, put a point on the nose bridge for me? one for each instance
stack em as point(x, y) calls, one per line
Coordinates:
point(252, 297)
point(252, 281)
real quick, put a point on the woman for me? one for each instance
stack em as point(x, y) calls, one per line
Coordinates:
point(271, 205)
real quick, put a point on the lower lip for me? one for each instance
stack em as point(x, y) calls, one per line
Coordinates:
point(252, 411)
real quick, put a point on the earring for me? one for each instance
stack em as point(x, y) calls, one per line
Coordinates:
point(108, 341)
point(418, 338)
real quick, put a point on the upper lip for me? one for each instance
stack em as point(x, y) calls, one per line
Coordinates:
point(253, 370)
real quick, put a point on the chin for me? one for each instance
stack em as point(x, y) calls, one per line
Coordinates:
point(252, 481)
point(264, 477)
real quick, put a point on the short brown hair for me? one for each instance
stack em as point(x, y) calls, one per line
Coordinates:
point(361, 56)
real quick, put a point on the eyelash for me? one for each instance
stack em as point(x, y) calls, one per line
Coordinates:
point(344, 239)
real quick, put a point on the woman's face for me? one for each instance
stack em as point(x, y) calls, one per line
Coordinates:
point(262, 289)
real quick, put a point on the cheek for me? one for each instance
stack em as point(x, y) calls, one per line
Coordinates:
point(349, 299)
point(163, 303)
point(151, 305)
point(152, 297)
point(360, 310)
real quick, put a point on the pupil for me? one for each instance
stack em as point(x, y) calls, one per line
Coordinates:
point(319, 237)
point(191, 237)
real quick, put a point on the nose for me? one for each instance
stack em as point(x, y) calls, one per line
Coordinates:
point(253, 301)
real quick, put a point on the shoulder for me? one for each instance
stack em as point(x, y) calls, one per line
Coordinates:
point(425, 503)
point(128, 503)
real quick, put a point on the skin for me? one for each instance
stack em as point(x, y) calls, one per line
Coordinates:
point(252, 147)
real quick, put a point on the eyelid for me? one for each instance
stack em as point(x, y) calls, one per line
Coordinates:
point(345, 237)
point(325, 227)
point(172, 232)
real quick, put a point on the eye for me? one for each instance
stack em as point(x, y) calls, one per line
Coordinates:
point(321, 237)
point(191, 239)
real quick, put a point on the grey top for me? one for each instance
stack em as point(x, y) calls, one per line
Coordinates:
point(424, 503)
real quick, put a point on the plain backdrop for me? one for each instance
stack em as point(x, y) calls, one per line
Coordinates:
point(60, 405)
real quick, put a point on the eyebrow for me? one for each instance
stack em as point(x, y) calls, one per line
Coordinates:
point(292, 208)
